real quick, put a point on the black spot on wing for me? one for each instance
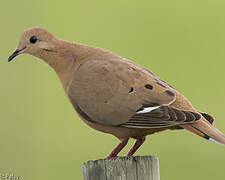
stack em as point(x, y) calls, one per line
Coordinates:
point(148, 86)
point(131, 90)
point(170, 93)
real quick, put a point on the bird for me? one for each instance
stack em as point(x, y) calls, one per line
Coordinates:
point(115, 95)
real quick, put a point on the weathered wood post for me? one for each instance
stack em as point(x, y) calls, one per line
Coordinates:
point(122, 168)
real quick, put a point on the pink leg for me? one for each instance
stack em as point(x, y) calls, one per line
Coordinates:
point(117, 149)
point(135, 147)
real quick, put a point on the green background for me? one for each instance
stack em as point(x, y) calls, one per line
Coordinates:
point(183, 42)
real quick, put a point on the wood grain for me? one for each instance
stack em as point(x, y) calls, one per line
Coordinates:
point(122, 168)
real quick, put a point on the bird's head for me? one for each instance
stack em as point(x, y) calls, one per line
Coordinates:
point(35, 41)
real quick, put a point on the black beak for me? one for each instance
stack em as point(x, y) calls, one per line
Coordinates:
point(15, 53)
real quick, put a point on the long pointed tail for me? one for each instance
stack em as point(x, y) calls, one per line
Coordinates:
point(204, 129)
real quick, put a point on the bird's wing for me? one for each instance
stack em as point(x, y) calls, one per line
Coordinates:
point(164, 116)
point(121, 93)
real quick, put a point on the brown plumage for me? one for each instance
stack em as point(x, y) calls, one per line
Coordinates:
point(114, 95)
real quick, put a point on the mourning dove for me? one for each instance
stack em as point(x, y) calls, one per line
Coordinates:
point(113, 94)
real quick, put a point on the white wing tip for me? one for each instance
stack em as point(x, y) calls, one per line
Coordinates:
point(213, 140)
point(147, 109)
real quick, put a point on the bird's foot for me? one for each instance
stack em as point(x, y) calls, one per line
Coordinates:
point(117, 149)
point(135, 147)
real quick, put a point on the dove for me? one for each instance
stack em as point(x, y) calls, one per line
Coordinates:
point(113, 94)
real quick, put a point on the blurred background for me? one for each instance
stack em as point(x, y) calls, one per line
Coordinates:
point(183, 42)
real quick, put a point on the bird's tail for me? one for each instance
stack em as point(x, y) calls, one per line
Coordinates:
point(206, 130)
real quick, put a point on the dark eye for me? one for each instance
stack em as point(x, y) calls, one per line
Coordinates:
point(33, 39)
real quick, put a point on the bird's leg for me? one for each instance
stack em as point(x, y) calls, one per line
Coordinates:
point(135, 147)
point(117, 149)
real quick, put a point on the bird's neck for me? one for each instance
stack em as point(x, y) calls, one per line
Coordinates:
point(68, 56)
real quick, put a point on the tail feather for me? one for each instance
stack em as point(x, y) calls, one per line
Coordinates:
point(204, 129)
point(208, 117)
point(213, 140)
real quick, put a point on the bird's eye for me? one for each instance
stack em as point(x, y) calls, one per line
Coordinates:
point(33, 39)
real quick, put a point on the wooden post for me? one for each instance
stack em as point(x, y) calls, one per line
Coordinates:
point(122, 168)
